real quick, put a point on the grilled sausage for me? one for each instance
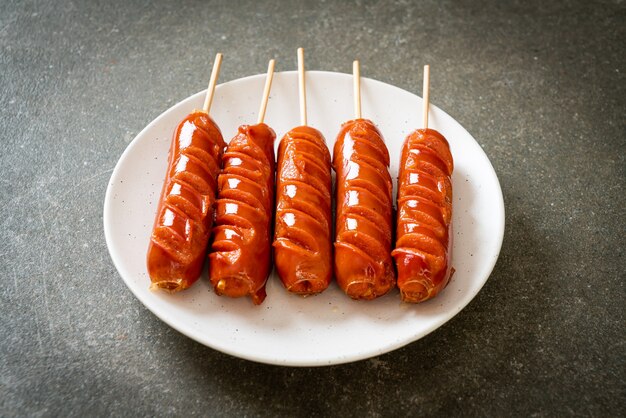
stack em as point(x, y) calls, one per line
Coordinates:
point(422, 253)
point(185, 213)
point(240, 261)
point(363, 265)
point(302, 242)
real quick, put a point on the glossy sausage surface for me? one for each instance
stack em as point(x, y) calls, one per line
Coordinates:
point(423, 233)
point(240, 261)
point(185, 213)
point(363, 265)
point(302, 241)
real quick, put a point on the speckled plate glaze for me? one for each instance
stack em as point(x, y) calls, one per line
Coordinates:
point(286, 329)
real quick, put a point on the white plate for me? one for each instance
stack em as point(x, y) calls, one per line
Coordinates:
point(286, 329)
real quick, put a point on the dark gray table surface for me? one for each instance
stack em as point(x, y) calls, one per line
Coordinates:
point(539, 84)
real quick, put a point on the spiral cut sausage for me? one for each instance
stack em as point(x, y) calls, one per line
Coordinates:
point(363, 265)
point(302, 242)
point(422, 251)
point(240, 261)
point(183, 220)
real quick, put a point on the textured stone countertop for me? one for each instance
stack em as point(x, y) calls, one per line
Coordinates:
point(539, 84)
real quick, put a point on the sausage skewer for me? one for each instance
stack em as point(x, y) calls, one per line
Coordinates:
point(363, 265)
point(426, 94)
point(302, 87)
point(356, 88)
point(240, 261)
point(184, 216)
point(423, 243)
point(302, 240)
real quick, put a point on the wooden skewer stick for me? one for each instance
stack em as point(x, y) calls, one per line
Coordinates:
point(356, 75)
point(208, 100)
point(302, 86)
point(426, 93)
point(266, 91)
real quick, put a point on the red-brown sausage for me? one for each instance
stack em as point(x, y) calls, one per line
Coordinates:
point(240, 262)
point(363, 265)
point(185, 213)
point(422, 251)
point(302, 241)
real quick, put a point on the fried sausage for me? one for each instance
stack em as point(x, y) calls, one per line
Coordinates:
point(363, 265)
point(240, 261)
point(302, 241)
point(422, 252)
point(185, 213)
